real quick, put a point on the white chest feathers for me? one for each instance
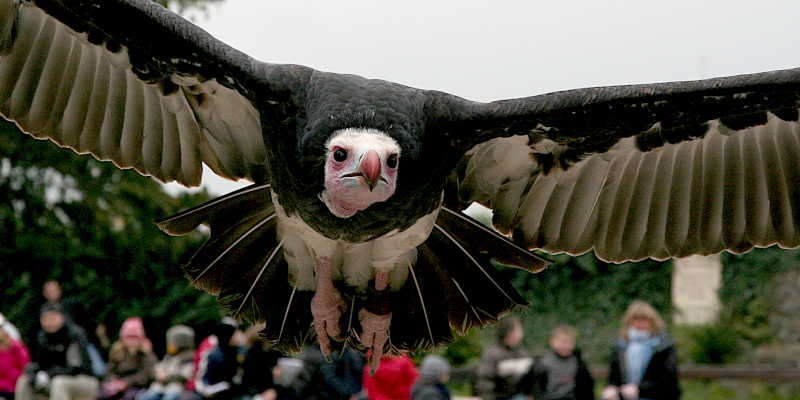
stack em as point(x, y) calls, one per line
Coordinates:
point(353, 263)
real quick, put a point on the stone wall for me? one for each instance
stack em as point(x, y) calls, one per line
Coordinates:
point(695, 282)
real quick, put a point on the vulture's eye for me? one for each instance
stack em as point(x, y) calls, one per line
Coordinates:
point(391, 162)
point(340, 155)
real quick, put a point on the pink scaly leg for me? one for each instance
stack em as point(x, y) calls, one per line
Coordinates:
point(375, 323)
point(326, 307)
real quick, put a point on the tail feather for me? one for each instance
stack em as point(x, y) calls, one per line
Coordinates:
point(419, 311)
point(452, 286)
point(477, 293)
point(219, 213)
point(475, 235)
point(286, 310)
point(243, 235)
point(242, 263)
point(479, 264)
point(234, 254)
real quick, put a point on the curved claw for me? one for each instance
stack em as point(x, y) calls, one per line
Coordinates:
point(327, 308)
point(374, 334)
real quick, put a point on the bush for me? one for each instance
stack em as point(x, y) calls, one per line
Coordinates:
point(712, 344)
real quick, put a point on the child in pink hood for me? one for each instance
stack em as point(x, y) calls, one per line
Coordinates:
point(131, 362)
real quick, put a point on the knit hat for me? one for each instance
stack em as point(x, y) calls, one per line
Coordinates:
point(181, 337)
point(433, 366)
point(132, 327)
point(52, 307)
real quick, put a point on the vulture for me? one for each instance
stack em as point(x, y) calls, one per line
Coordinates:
point(352, 232)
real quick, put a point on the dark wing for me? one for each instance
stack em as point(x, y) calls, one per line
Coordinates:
point(659, 171)
point(131, 82)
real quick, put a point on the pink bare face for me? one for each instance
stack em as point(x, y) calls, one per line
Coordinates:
point(360, 170)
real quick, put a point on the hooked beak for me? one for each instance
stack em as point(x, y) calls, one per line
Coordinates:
point(370, 168)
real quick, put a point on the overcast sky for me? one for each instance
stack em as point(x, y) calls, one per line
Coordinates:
point(489, 50)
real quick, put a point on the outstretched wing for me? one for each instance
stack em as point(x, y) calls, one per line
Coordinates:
point(131, 82)
point(657, 171)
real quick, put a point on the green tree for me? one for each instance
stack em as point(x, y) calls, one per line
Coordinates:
point(90, 226)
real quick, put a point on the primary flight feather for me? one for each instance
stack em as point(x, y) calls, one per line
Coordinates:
point(352, 230)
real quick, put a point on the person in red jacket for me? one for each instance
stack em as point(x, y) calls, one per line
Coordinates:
point(392, 380)
point(13, 359)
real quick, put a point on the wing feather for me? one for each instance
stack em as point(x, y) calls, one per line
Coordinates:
point(756, 196)
point(133, 125)
point(579, 221)
point(147, 99)
point(733, 194)
point(556, 208)
point(535, 204)
point(70, 71)
point(727, 190)
point(680, 198)
point(641, 203)
point(113, 117)
point(606, 205)
point(709, 225)
point(790, 156)
point(781, 211)
point(655, 235)
point(73, 118)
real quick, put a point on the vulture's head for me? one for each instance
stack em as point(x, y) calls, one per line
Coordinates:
point(360, 169)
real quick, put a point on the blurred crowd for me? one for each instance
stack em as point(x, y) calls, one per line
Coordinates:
point(231, 363)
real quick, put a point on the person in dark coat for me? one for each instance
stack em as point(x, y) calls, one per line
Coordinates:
point(339, 379)
point(219, 378)
point(61, 364)
point(503, 364)
point(434, 372)
point(644, 361)
point(560, 374)
point(259, 362)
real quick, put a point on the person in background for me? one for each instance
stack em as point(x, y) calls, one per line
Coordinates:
point(14, 358)
point(259, 362)
point(222, 366)
point(78, 317)
point(434, 372)
point(560, 374)
point(338, 379)
point(205, 347)
point(503, 364)
point(644, 361)
point(284, 377)
point(130, 362)
point(392, 379)
point(73, 309)
point(61, 366)
point(200, 362)
point(7, 326)
point(172, 373)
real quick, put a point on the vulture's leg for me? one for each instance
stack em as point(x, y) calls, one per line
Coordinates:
point(376, 317)
point(326, 307)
